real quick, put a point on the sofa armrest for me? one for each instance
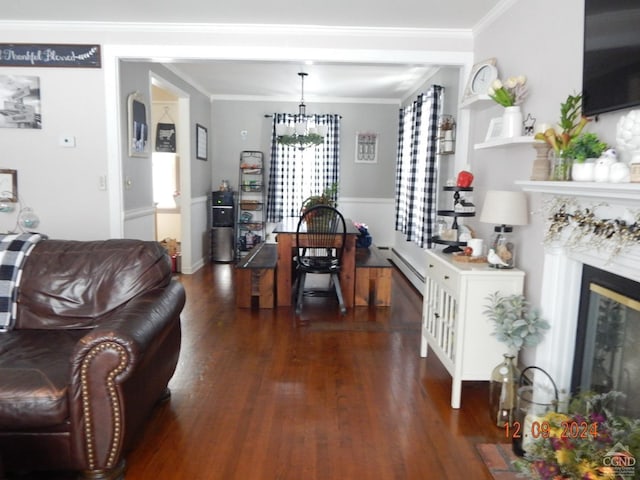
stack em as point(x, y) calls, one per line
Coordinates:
point(104, 359)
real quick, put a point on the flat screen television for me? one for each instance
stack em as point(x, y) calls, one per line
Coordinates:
point(611, 62)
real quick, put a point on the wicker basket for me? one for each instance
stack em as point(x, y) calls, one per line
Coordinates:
point(250, 205)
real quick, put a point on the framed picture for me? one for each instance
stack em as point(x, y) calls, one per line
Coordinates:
point(8, 185)
point(138, 126)
point(20, 102)
point(366, 148)
point(201, 142)
point(495, 129)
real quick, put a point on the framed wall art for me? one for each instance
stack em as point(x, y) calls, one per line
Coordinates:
point(20, 102)
point(8, 185)
point(201, 142)
point(366, 147)
point(138, 126)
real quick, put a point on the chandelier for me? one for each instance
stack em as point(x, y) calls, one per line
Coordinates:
point(301, 134)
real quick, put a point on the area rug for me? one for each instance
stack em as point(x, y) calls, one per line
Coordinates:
point(361, 327)
point(498, 457)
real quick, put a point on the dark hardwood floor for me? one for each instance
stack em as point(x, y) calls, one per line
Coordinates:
point(259, 395)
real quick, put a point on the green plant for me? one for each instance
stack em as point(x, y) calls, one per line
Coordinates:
point(571, 124)
point(516, 324)
point(585, 145)
point(327, 197)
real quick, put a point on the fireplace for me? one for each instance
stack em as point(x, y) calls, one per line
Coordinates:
point(608, 332)
point(562, 277)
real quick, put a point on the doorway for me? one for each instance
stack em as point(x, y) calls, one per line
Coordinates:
point(169, 120)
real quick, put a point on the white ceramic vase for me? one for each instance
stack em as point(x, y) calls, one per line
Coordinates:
point(512, 122)
point(583, 172)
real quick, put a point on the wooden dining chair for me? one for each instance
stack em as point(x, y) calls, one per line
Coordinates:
point(320, 240)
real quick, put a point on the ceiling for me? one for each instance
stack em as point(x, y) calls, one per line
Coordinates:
point(279, 80)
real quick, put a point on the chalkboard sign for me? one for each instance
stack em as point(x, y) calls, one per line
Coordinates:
point(49, 55)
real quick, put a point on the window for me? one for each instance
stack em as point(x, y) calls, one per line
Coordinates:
point(416, 167)
point(296, 174)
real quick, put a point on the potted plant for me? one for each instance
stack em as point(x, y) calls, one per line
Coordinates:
point(586, 146)
point(327, 197)
point(516, 325)
point(571, 124)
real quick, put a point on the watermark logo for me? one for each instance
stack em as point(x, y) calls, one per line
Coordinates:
point(620, 459)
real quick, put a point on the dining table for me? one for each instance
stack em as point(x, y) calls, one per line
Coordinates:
point(285, 232)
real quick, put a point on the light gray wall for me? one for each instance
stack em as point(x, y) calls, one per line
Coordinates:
point(548, 50)
point(134, 76)
point(449, 79)
point(231, 118)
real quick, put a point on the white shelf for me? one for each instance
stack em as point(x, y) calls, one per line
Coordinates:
point(506, 142)
point(596, 190)
point(477, 102)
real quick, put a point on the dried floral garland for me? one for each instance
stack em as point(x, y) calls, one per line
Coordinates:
point(579, 227)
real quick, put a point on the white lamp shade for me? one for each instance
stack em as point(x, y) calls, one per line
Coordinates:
point(503, 207)
point(301, 128)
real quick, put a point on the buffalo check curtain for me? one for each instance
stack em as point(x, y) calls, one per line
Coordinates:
point(416, 167)
point(295, 174)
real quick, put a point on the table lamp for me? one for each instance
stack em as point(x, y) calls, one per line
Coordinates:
point(504, 209)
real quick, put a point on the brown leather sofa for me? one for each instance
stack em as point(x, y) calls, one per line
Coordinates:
point(95, 343)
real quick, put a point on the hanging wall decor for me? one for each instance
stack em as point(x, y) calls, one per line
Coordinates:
point(20, 102)
point(166, 133)
point(201, 142)
point(366, 148)
point(138, 126)
point(49, 55)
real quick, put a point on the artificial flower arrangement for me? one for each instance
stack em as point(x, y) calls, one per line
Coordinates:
point(509, 93)
point(571, 124)
point(590, 442)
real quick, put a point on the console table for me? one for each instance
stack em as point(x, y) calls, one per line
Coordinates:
point(453, 325)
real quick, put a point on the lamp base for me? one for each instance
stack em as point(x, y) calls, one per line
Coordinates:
point(502, 249)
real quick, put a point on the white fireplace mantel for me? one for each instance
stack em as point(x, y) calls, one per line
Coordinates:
point(621, 192)
point(562, 272)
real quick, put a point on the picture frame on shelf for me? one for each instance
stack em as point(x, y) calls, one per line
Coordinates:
point(201, 142)
point(495, 129)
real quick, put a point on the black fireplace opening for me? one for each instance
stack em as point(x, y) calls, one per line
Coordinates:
point(607, 353)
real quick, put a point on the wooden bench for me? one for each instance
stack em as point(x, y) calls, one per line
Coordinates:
point(255, 276)
point(373, 278)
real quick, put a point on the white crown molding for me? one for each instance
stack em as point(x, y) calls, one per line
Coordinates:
point(240, 29)
point(308, 100)
point(495, 13)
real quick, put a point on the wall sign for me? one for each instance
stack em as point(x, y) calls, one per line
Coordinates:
point(49, 55)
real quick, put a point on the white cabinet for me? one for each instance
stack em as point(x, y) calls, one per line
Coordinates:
point(454, 327)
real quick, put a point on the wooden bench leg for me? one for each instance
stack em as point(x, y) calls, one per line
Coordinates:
point(266, 286)
point(382, 289)
point(243, 288)
point(362, 287)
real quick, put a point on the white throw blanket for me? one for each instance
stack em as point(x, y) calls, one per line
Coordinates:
point(14, 249)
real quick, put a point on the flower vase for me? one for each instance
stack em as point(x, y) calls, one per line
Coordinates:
point(560, 166)
point(512, 122)
point(503, 391)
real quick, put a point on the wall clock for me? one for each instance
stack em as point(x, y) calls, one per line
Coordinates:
point(482, 76)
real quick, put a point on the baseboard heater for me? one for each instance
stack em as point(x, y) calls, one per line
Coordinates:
point(408, 265)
